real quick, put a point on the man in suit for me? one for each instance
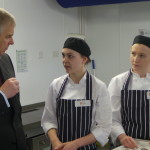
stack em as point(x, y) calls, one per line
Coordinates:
point(11, 130)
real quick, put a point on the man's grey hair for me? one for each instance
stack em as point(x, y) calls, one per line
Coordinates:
point(6, 19)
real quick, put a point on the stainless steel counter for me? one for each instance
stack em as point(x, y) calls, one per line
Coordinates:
point(143, 145)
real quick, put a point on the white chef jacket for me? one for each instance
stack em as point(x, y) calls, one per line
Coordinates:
point(114, 88)
point(101, 115)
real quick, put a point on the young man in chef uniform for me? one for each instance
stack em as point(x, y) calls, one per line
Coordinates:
point(130, 97)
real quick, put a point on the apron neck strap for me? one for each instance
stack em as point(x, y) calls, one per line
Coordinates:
point(88, 86)
point(126, 83)
point(62, 88)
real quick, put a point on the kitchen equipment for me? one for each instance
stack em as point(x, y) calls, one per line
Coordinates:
point(31, 119)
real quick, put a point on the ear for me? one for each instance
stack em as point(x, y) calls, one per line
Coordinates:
point(85, 59)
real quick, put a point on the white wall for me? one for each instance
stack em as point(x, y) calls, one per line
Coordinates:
point(110, 31)
point(41, 26)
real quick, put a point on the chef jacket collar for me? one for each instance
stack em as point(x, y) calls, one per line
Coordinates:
point(137, 75)
point(82, 81)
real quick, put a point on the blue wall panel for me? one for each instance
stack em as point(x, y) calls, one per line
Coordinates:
point(79, 3)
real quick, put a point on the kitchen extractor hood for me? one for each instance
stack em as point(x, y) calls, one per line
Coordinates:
point(80, 3)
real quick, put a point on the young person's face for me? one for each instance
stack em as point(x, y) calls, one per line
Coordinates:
point(140, 58)
point(6, 38)
point(73, 61)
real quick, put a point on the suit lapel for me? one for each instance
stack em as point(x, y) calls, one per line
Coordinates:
point(6, 68)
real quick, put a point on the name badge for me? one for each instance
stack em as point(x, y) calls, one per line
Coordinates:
point(148, 95)
point(82, 103)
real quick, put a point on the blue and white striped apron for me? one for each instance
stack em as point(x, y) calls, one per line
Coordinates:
point(74, 122)
point(135, 111)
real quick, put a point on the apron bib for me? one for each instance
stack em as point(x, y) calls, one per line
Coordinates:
point(74, 120)
point(135, 111)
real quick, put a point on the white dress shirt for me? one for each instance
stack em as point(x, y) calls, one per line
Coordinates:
point(5, 98)
point(114, 88)
point(101, 115)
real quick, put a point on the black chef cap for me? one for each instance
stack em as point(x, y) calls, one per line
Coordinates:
point(78, 45)
point(140, 39)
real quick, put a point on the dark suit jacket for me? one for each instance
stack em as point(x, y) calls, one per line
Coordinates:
point(11, 130)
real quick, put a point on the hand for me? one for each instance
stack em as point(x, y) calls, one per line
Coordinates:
point(127, 141)
point(68, 146)
point(10, 87)
point(57, 145)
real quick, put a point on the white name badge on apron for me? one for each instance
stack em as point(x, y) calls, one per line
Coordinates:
point(82, 103)
point(148, 95)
